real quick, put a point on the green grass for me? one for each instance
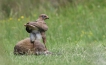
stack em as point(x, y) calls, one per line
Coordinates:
point(76, 36)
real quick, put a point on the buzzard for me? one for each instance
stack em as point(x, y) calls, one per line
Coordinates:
point(37, 28)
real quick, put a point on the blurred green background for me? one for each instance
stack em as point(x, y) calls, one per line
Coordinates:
point(14, 8)
point(77, 31)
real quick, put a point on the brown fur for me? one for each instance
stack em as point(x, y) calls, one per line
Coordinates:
point(26, 47)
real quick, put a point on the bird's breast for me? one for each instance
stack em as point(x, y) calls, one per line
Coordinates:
point(37, 34)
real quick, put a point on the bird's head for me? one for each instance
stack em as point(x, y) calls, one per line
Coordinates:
point(43, 16)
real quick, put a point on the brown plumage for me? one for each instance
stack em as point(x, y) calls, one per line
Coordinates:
point(26, 47)
point(39, 26)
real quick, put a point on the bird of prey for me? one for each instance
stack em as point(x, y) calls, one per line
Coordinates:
point(37, 28)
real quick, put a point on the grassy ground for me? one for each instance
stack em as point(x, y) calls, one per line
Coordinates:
point(76, 36)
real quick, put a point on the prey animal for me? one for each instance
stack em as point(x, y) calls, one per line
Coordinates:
point(24, 47)
point(37, 28)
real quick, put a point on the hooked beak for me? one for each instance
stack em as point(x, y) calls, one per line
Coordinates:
point(25, 25)
point(47, 17)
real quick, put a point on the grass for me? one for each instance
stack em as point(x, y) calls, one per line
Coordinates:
point(76, 36)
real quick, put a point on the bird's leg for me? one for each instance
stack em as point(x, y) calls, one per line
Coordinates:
point(32, 37)
point(44, 38)
point(44, 41)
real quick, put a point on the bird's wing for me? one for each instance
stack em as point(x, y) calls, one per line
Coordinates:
point(28, 30)
point(30, 26)
point(39, 25)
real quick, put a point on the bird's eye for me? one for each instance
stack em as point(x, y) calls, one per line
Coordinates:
point(44, 16)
